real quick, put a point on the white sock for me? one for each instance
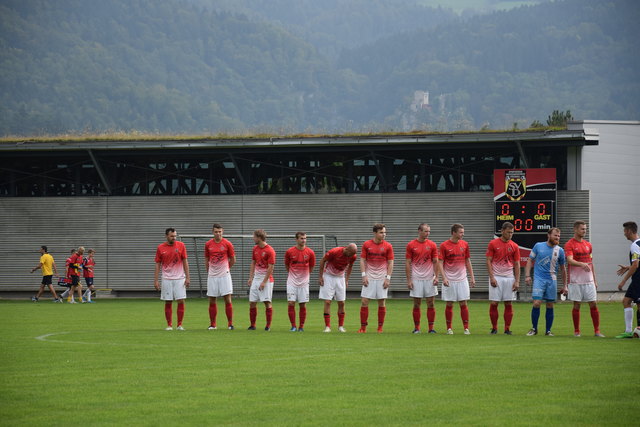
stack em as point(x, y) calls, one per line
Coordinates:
point(65, 293)
point(87, 294)
point(628, 319)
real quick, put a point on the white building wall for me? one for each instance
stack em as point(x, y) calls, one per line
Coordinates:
point(611, 171)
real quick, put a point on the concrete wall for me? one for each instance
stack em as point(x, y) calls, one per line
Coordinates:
point(611, 173)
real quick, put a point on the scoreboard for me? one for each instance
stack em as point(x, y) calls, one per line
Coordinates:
point(527, 199)
point(526, 216)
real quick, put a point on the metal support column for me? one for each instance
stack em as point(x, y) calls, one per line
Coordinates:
point(101, 174)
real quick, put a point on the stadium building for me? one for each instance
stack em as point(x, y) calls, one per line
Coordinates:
point(119, 196)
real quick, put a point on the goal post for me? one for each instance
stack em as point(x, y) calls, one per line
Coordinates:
point(243, 245)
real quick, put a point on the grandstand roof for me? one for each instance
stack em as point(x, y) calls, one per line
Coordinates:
point(154, 142)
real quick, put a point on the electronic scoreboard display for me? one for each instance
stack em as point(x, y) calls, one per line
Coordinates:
point(532, 216)
point(527, 199)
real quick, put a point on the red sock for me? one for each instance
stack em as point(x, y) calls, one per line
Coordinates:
point(327, 319)
point(416, 317)
point(180, 313)
point(228, 309)
point(382, 311)
point(253, 314)
point(303, 315)
point(464, 314)
point(448, 315)
point(595, 317)
point(431, 317)
point(508, 316)
point(213, 312)
point(168, 312)
point(292, 315)
point(493, 315)
point(575, 313)
point(341, 319)
point(364, 316)
point(269, 315)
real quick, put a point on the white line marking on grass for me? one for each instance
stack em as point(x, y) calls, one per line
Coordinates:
point(46, 338)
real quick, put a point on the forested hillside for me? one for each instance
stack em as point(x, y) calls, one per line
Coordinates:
point(157, 65)
point(334, 25)
point(204, 66)
point(510, 66)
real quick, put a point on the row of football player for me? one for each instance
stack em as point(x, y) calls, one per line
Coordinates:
point(425, 264)
point(74, 265)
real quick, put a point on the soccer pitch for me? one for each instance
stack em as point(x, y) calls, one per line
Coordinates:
point(112, 363)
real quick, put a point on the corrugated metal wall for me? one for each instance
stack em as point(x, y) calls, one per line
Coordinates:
point(126, 230)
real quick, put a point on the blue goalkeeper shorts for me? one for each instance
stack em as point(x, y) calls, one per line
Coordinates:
point(545, 290)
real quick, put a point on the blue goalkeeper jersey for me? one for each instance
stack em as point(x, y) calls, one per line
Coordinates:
point(547, 260)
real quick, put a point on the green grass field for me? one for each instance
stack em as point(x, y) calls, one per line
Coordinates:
point(112, 363)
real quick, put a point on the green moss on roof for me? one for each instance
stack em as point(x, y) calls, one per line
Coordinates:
point(142, 136)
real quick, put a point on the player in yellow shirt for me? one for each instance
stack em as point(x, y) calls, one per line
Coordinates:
point(48, 267)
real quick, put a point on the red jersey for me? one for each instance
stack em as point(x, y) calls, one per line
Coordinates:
point(75, 264)
point(262, 258)
point(67, 265)
point(171, 257)
point(581, 252)
point(422, 255)
point(89, 263)
point(377, 256)
point(453, 256)
point(218, 255)
point(336, 262)
point(505, 255)
point(299, 263)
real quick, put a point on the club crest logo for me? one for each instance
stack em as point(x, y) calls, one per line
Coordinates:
point(515, 185)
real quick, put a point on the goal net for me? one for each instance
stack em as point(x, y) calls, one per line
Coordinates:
point(243, 245)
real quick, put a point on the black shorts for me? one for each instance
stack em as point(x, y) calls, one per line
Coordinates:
point(47, 280)
point(89, 281)
point(634, 291)
point(75, 280)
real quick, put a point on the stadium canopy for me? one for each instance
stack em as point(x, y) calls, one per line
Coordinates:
point(454, 162)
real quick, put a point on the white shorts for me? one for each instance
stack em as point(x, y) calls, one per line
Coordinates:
point(172, 289)
point(219, 286)
point(264, 295)
point(456, 291)
point(582, 293)
point(297, 294)
point(502, 292)
point(424, 288)
point(375, 290)
point(334, 286)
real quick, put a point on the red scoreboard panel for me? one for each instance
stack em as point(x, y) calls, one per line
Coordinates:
point(527, 199)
